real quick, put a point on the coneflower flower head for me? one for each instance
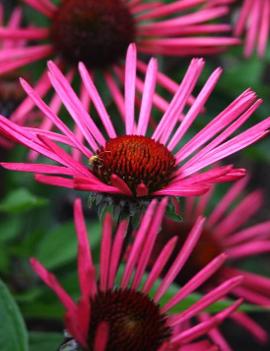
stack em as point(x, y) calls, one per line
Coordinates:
point(95, 32)
point(225, 230)
point(139, 163)
point(123, 310)
point(99, 32)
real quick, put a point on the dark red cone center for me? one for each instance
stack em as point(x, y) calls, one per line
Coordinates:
point(134, 321)
point(96, 32)
point(204, 252)
point(136, 160)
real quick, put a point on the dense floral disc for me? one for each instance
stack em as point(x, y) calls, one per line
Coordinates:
point(136, 322)
point(136, 160)
point(115, 311)
point(95, 32)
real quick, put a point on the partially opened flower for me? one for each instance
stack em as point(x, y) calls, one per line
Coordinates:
point(226, 231)
point(122, 311)
point(136, 161)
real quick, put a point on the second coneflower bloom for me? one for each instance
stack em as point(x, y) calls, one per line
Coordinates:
point(99, 32)
point(122, 308)
point(136, 161)
point(226, 230)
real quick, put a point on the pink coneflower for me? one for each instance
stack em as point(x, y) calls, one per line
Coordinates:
point(253, 22)
point(137, 162)
point(99, 32)
point(225, 230)
point(123, 311)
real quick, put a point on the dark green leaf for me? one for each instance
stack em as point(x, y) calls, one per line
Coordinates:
point(21, 200)
point(59, 246)
point(13, 335)
point(43, 311)
point(45, 341)
point(9, 228)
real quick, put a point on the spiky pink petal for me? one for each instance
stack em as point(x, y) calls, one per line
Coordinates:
point(181, 258)
point(203, 327)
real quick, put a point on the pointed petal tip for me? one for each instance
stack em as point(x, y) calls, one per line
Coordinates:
point(132, 46)
point(32, 260)
point(120, 184)
point(153, 61)
point(53, 68)
point(50, 63)
point(81, 66)
point(131, 51)
point(142, 190)
point(164, 201)
point(224, 256)
point(228, 311)
point(77, 204)
point(25, 85)
point(201, 220)
point(36, 265)
point(200, 61)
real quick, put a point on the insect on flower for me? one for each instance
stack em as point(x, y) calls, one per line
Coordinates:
point(97, 160)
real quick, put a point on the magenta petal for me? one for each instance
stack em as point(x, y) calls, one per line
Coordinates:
point(86, 270)
point(120, 184)
point(53, 283)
